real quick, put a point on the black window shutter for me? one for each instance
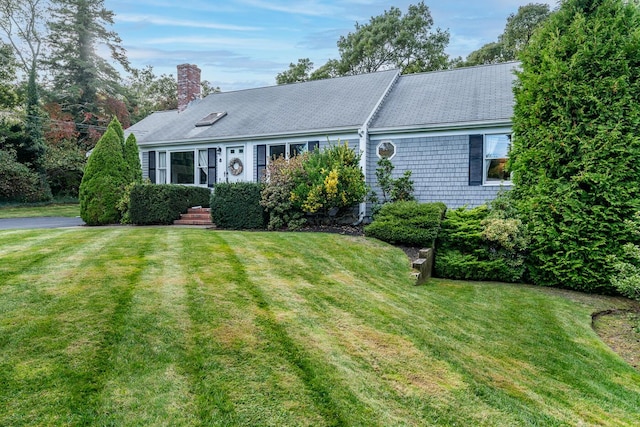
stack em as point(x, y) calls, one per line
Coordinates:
point(261, 162)
point(313, 145)
point(152, 167)
point(476, 152)
point(212, 164)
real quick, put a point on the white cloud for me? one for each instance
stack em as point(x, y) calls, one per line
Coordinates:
point(308, 7)
point(223, 42)
point(160, 20)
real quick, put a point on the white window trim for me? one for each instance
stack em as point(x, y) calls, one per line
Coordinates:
point(485, 182)
point(160, 168)
point(196, 167)
point(387, 141)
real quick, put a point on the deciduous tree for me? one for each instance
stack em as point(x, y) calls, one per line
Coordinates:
point(21, 22)
point(394, 40)
point(517, 32)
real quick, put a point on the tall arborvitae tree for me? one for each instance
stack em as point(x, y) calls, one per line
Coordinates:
point(104, 179)
point(132, 160)
point(576, 148)
point(77, 27)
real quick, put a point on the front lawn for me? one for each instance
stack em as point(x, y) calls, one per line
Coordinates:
point(69, 210)
point(180, 327)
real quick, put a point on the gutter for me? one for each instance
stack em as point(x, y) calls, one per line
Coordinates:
point(443, 126)
point(256, 137)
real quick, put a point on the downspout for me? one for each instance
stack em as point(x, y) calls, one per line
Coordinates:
point(363, 134)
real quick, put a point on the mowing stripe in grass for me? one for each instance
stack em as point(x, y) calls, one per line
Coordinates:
point(41, 246)
point(239, 377)
point(314, 377)
point(146, 384)
point(49, 334)
point(122, 273)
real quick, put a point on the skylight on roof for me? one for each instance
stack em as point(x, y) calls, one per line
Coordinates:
point(211, 119)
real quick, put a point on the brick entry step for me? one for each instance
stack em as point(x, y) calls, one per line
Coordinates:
point(195, 216)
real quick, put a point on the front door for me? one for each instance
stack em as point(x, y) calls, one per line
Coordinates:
point(235, 171)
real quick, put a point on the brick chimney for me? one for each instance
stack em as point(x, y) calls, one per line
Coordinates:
point(188, 85)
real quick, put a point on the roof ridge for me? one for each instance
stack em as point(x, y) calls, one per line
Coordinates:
point(300, 83)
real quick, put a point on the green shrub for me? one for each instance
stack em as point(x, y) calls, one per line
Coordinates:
point(64, 165)
point(575, 156)
point(17, 182)
point(626, 277)
point(163, 203)
point(482, 244)
point(103, 181)
point(237, 206)
point(331, 180)
point(276, 194)
point(407, 223)
point(453, 264)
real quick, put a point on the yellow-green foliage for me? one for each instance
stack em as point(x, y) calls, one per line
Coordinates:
point(330, 179)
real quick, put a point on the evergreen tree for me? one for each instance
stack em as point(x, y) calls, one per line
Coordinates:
point(132, 160)
point(576, 149)
point(79, 73)
point(104, 180)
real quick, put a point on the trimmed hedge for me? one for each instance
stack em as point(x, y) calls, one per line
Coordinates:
point(163, 203)
point(237, 206)
point(407, 223)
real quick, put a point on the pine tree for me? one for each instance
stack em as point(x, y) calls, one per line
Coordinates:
point(576, 148)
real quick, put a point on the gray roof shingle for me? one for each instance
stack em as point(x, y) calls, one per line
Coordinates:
point(449, 98)
point(446, 98)
point(322, 105)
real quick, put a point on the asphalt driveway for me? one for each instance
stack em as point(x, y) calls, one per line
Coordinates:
point(40, 222)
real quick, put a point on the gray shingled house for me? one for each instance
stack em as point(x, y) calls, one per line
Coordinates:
point(452, 129)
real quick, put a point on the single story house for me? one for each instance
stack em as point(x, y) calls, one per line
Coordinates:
point(451, 128)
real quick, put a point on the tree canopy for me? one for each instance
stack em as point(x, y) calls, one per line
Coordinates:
point(576, 148)
point(390, 40)
point(79, 72)
point(518, 30)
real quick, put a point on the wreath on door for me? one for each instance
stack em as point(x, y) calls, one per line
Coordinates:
point(235, 166)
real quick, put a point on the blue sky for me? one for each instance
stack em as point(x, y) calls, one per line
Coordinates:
point(244, 43)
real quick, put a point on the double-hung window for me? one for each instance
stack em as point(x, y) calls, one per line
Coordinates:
point(488, 155)
point(203, 166)
point(162, 167)
point(496, 153)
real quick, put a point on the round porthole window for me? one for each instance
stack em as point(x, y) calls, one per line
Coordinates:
point(386, 150)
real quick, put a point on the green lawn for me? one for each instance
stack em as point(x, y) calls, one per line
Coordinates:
point(176, 326)
point(62, 209)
